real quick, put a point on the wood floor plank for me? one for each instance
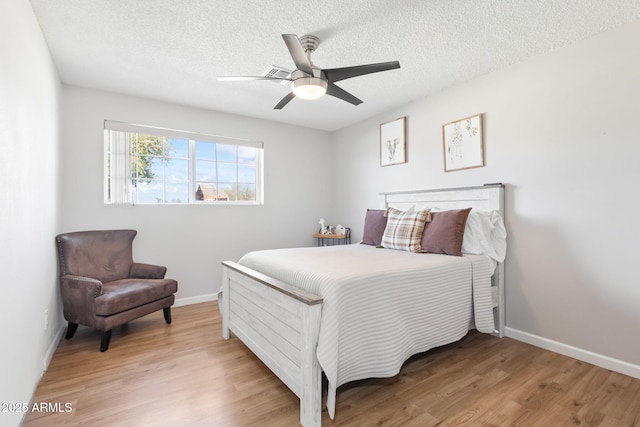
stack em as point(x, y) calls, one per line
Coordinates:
point(186, 374)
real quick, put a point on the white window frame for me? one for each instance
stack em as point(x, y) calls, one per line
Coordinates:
point(119, 168)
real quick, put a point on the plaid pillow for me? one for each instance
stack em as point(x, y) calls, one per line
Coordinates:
point(404, 229)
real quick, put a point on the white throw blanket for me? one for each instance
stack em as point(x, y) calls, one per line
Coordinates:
point(382, 306)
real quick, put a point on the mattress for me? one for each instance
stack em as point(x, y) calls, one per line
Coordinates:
point(381, 306)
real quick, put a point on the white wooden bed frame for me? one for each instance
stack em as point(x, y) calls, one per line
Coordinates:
point(281, 323)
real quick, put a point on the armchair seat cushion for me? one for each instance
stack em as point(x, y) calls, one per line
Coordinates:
point(125, 294)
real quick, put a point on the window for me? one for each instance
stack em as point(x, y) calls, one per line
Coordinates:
point(145, 165)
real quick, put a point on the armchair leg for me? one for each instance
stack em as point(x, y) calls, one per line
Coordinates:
point(71, 329)
point(104, 340)
point(167, 314)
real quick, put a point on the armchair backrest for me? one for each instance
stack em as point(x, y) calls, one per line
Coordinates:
point(105, 255)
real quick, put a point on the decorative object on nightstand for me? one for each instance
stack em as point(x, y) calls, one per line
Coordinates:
point(330, 235)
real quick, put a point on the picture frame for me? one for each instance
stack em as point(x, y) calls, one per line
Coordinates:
point(463, 144)
point(393, 142)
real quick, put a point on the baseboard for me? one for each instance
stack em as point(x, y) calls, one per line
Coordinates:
point(195, 300)
point(606, 362)
point(52, 349)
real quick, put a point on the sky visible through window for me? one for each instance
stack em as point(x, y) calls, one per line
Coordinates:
point(161, 172)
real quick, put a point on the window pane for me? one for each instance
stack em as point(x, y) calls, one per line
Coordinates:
point(227, 192)
point(205, 150)
point(246, 192)
point(176, 169)
point(226, 153)
point(227, 172)
point(147, 191)
point(148, 167)
point(175, 147)
point(147, 144)
point(176, 192)
point(206, 191)
point(205, 171)
point(247, 155)
point(246, 174)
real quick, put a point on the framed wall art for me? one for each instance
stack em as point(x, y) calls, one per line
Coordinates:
point(393, 142)
point(463, 144)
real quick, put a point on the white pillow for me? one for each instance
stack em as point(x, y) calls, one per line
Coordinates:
point(485, 233)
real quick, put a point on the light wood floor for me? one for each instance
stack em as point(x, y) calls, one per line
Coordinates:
point(185, 374)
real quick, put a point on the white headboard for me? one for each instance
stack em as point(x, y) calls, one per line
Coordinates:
point(487, 197)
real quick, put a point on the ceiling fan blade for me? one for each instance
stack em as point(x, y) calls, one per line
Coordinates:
point(284, 101)
point(338, 92)
point(298, 54)
point(337, 74)
point(245, 78)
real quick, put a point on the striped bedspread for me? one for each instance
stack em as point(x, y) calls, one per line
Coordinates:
point(381, 306)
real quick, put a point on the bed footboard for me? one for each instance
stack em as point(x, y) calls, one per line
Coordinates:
point(280, 324)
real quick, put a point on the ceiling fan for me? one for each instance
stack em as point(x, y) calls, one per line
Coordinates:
point(311, 82)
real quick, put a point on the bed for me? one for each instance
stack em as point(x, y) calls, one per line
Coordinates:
point(358, 311)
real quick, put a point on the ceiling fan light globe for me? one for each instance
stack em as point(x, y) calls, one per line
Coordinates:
point(309, 87)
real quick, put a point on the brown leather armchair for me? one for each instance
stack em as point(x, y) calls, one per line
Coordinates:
point(101, 285)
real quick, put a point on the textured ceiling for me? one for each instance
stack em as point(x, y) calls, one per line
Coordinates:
point(172, 50)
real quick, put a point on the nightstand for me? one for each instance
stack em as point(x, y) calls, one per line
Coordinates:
point(333, 239)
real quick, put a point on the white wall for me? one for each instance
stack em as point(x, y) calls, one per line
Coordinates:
point(192, 240)
point(562, 131)
point(29, 140)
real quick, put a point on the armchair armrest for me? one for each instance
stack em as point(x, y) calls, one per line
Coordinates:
point(86, 285)
point(146, 271)
point(78, 294)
